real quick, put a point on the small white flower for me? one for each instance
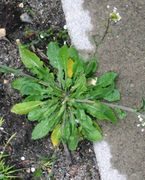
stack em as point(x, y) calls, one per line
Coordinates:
point(108, 6)
point(114, 9)
point(65, 27)
point(12, 75)
point(93, 82)
point(21, 5)
point(139, 116)
point(115, 16)
point(142, 130)
point(143, 124)
point(140, 119)
point(64, 42)
point(41, 36)
point(22, 158)
point(76, 120)
point(33, 169)
point(1, 128)
point(138, 125)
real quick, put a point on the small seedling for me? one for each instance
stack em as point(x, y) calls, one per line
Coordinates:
point(7, 172)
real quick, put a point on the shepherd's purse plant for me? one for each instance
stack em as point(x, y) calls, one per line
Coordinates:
point(65, 99)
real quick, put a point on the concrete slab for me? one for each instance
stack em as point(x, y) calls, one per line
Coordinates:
point(121, 155)
point(79, 26)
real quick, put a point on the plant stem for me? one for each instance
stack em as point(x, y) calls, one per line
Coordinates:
point(68, 154)
point(125, 108)
point(104, 35)
point(128, 109)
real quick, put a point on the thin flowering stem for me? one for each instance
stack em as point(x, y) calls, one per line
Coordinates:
point(125, 108)
point(105, 33)
point(128, 109)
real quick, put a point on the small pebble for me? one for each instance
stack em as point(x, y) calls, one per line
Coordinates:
point(22, 158)
point(65, 27)
point(21, 5)
point(1, 128)
point(5, 81)
point(26, 18)
point(41, 36)
point(2, 32)
point(33, 169)
point(18, 41)
point(108, 6)
point(28, 170)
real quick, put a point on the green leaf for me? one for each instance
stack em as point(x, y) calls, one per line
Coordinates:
point(5, 69)
point(43, 112)
point(112, 96)
point(33, 63)
point(100, 92)
point(64, 57)
point(26, 107)
point(66, 130)
point(91, 67)
point(142, 107)
point(100, 111)
point(38, 173)
point(46, 125)
point(120, 113)
point(53, 53)
point(29, 59)
point(90, 131)
point(107, 79)
point(43, 128)
point(73, 53)
point(37, 113)
point(27, 86)
point(74, 135)
point(79, 86)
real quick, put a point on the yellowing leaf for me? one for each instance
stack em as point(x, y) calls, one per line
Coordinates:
point(70, 64)
point(56, 135)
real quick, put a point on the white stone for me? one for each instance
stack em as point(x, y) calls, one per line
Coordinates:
point(33, 169)
point(22, 158)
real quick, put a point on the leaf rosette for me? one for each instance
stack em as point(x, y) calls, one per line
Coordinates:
point(66, 100)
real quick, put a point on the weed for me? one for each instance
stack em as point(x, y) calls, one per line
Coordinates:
point(66, 100)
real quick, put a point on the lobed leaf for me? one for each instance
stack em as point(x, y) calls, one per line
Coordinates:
point(47, 125)
point(112, 96)
point(90, 131)
point(26, 107)
point(100, 111)
point(107, 79)
point(91, 67)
